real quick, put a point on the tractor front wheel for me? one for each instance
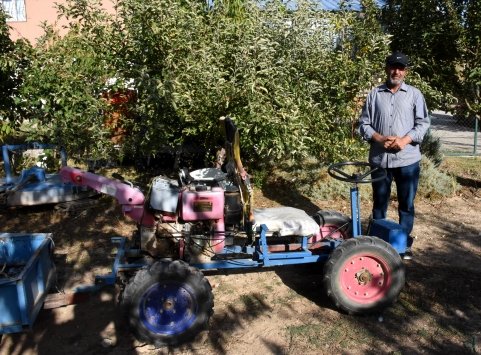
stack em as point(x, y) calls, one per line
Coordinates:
point(168, 304)
point(364, 275)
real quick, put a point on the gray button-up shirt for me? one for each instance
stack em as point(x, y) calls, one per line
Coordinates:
point(394, 114)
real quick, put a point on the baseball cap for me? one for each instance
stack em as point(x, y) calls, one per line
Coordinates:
point(397, 58)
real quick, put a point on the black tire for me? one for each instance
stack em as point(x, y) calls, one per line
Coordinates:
point(364, 275)
point(333, 224)
point(168, 304)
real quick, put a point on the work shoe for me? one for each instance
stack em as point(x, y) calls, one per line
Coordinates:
point(408, 254)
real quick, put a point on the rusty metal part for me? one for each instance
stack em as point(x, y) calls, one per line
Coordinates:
point(363, 277)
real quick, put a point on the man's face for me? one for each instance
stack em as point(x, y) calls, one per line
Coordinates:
point(395, 74)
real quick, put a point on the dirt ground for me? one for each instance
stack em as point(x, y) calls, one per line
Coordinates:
point(277, 311)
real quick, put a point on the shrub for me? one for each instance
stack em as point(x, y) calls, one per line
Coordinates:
point(434, 183)
point(431, 148)
point(309, 178)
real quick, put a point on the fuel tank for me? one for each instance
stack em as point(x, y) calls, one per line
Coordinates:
point(206, 204)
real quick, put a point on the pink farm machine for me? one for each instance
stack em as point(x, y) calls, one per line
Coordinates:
point(204, 220)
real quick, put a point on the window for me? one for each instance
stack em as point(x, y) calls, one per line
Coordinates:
point(15, 10)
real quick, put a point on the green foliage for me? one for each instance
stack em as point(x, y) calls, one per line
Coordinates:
point(433, 183)
point(472, 60)
point(291, 80)
point(429, 31)
point(434, 98)
point(431, 148)
point(443, 37)
point(7, 77)
point(60, 96)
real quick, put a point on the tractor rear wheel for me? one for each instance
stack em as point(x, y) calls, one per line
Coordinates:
point(333, 224)
point(364, 275)
point(168, 304)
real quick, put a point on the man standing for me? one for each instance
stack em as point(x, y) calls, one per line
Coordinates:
point(394, 120)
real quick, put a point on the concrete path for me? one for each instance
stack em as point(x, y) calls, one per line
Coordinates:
point(457, 137)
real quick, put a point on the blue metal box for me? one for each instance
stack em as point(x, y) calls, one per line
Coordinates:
point(391, 232)
point(27, 272)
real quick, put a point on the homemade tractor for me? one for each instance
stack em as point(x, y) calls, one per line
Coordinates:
point(204, 220)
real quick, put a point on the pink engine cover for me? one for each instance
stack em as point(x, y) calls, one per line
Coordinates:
point(203, 205)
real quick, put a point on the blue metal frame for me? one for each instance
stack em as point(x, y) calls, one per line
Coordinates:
point(260, 257)
point(355, 212)
point(118, 265)
point(9, 147)
point(22, 294)
point(259, 252)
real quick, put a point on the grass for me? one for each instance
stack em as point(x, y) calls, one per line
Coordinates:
point(339, 334)
point(463, 167)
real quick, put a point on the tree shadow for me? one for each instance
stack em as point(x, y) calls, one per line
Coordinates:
point(443, 299)
point(92, 327)
point(306, 281)
point(285, 193)
point(468, 182)
point(82, 249)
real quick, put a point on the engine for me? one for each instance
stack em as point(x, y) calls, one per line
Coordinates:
point(195, 220)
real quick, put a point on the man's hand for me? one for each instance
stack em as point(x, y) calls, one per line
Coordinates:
point(388, 141)
point(399, 143)
point(392, 142)
point(385, 141)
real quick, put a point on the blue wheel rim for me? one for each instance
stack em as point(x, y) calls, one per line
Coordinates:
point(168, 308)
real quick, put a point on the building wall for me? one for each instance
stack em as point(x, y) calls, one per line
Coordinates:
point(38, 11)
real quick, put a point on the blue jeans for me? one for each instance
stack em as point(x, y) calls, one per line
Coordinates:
point(406, 179)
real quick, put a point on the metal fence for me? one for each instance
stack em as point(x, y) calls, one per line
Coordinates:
point(457, 136)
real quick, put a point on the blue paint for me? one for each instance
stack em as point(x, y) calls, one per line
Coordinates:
point(168, 307)
point(28, 273)
point(390, 232)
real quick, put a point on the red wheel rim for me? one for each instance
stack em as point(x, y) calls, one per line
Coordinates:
point(365, 278)
point(332, 231)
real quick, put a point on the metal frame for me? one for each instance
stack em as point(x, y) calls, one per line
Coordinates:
point(260, 255)
point(9, 147)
